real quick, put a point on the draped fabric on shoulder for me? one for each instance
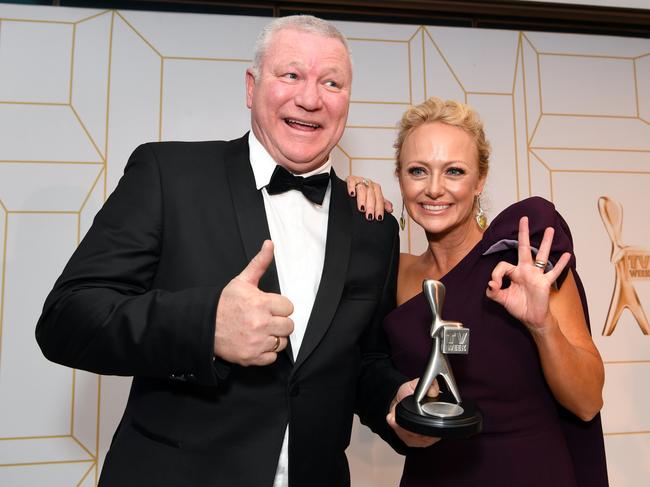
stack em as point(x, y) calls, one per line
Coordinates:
point(541, 215)
point(528, 438)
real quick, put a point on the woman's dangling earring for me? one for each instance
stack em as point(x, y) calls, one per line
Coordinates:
point(402, 220)
point(481, 219)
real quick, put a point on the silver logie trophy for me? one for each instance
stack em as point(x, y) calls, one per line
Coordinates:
point(445, 416)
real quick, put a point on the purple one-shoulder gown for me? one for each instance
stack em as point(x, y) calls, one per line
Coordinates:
point(528, 439)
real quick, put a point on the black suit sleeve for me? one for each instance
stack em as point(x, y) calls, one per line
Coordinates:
point(103, 314)
point(379, 379)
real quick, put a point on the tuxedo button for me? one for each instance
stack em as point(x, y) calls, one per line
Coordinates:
point(295, 390)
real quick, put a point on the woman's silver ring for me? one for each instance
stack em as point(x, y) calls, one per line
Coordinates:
point(364, 181)
point(540, 264)
point(277, 344)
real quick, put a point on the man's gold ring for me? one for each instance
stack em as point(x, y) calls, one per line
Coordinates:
point(277, 344)
point(540, 264)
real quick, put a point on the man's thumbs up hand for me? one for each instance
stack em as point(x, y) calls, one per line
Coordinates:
point(258, 264)
point(252, 326)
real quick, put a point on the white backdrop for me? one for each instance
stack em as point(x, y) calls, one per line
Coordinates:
point(568, 117)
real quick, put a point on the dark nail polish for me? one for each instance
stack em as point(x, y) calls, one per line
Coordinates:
point(369, 217)
point(380, 218)
point(363, 208)
point(352, 193)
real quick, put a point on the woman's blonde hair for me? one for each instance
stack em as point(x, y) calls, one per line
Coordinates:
point(450, 112)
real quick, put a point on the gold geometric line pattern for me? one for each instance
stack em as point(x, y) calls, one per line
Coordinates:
point(74, 36)
point(105, 158)
point(414, 34)
point(588, 149)
point(360, 102)
point(33, 21)
point(424, 78)
point(219, 59)
point(74, 373)
point(99, 403)
point(42, 212)
point(370, 127)
point(408, 48)
point(367, 39)
point(108, 100)
point(408, 226)
point(138, 34)
point(408, 43)
point(514, 77)
point(36, 103)
point(344, 152)
point(550, 172)
point(444, 58)
point(44, 437)
point(83, 447)
point(537, 124)
point(539, 89)
point(4, 272)
point(530, 43)
point(160, 101)
point(619, 362)
point(86, 474)
point(588, 115)
point(591, 56)
point(636, 88)
point(525, 99)
point(93, 17)
point(83, 163)
point(514, 126)
point(627, 433)
point(514, 115)
point(52, 462)
point(347, 157)
point(87, 132)
point(373, 158)
point(92, 188)
point(600, 171)
point(488, 93)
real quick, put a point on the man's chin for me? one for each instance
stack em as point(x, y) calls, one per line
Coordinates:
point(304, 163)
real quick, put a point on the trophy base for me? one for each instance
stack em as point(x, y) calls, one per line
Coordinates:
point(444, 419)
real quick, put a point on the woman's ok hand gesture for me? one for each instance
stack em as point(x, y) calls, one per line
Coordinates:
point(527, 297)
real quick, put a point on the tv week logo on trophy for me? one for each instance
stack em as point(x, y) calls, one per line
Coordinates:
point(631, 263)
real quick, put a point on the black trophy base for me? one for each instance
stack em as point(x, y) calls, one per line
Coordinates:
point(410, 416)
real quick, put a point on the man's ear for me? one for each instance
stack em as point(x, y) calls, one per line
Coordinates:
point(250, 87)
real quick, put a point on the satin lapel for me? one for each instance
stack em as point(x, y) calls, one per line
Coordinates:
point(337, 253)
point(249, 209)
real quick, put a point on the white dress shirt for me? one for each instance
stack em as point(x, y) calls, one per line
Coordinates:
point(298, 230)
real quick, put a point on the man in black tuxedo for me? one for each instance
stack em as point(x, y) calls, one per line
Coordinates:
point(234, 383)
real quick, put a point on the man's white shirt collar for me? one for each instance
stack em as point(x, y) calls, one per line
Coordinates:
point(263, 164)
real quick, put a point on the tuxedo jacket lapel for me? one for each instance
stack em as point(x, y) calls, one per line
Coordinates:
point(337, 253)
point(248, 206)
point(249, 210)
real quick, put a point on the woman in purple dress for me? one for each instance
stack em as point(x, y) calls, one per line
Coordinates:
point(533, 368)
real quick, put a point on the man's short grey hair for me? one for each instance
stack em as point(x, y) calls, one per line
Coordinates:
point(302, 23)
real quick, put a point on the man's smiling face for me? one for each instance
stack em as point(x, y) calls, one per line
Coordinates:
point(299, 101)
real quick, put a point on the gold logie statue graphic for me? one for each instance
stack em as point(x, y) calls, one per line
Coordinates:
point(631, 263)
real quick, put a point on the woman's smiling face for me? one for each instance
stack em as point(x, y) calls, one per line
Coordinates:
point(439, 178)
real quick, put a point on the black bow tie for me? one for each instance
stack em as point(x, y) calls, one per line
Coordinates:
point(313, 187)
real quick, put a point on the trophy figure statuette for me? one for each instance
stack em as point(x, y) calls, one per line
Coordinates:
point(445, 416)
